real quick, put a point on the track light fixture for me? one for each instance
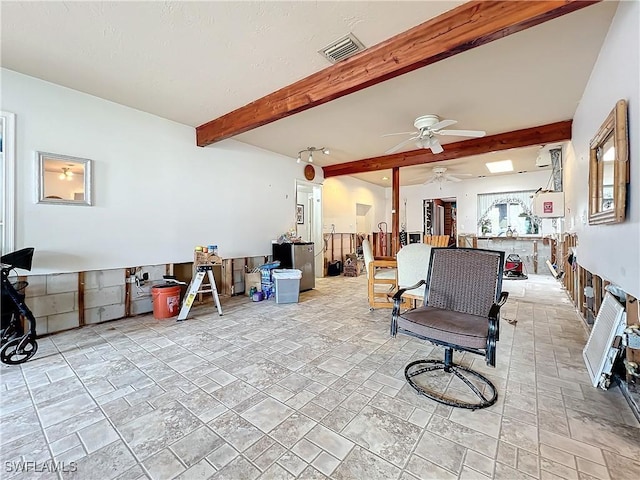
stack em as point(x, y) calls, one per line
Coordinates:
point(310, 151)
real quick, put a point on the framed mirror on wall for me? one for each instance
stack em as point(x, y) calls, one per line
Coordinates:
point(609, 168)
point(63, 180)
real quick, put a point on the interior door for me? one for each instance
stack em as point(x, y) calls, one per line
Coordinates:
point(309, 224)
point(438, 220)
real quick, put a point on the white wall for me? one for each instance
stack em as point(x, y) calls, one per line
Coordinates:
point(610, 251)
point(466, 193)
point(340, 196)
point(157, 195)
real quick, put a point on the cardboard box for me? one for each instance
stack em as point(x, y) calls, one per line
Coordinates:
point(202, 258)
point(252, 280)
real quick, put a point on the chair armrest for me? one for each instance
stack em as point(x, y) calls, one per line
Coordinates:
point(503, 298)
point(373, 265)
point(384, 263)
point(399, 293)
point(384, 258)
point(397, 301)
point(495, 308)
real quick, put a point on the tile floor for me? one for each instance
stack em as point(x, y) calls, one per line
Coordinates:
point(310, 390)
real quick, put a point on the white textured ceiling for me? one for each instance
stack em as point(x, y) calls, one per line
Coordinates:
point(194, 61)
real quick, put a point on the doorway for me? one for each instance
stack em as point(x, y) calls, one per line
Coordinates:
point(440, 218)
point(308, 217)
point(364, 219)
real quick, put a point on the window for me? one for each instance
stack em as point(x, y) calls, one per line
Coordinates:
point(506, 214)
point(7, 180)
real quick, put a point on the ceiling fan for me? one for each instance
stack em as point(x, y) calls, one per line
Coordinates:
point(428, 127)
point(440, 175)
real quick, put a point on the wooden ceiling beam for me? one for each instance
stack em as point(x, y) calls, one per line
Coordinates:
point(468, 26)
point(544, 134)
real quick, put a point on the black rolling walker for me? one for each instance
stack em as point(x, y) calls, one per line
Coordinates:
point(17, 346)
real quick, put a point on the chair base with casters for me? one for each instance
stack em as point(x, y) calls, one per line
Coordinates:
point(460, 285)
point(480, 385)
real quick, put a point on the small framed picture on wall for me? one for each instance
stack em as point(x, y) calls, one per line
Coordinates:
point(299, 213)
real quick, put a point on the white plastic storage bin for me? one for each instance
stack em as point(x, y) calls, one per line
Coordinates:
point(287, 285)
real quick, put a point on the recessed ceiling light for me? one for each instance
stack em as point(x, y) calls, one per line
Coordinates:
point(500, 167)
point(385, 178)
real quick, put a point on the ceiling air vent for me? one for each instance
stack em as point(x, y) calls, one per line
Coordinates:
point(342, 48)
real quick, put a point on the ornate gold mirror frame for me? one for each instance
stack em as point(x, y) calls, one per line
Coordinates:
point(609, 168)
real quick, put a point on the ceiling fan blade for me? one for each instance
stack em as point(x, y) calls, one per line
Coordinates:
point(400, 145)
point(451, 178)
point(460, 174)
point(463, 133)
point(431, 180)
point(442, 124)
point(435, 146)
point(399, 133)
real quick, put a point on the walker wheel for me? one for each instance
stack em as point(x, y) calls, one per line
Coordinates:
point(18, 350)
point(9, 333)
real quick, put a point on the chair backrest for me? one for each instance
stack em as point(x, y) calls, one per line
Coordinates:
point(467, 280)
point(368, 253)
point(437, 240)
point(413, 266)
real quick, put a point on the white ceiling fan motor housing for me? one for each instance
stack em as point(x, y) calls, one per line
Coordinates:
point(426, 121)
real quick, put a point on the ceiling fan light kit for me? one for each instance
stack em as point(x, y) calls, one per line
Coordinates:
point(428, 127)
point(66, 174)
point(441, 176)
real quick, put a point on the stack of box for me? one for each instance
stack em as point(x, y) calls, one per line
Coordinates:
point(266, 281)
point(351, 265)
